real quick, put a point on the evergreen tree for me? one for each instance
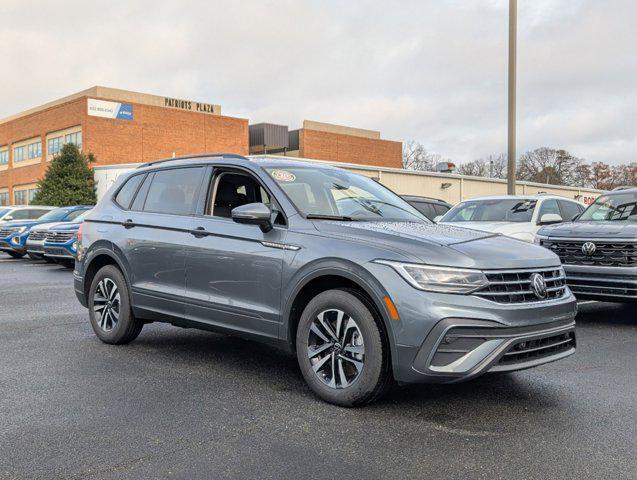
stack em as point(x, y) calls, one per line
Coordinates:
point(68, 180)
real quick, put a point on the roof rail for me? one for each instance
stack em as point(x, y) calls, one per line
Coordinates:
point(199, 155)
point(623, 187)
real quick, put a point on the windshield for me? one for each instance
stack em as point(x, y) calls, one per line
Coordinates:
point(54, 215)
point(80, 218)
point(513, 210)
point(618, 207)
point(341, 195)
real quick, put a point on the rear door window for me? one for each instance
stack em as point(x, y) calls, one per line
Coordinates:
point(174, 191)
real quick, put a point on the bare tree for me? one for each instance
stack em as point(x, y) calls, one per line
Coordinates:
point(601, 176)
point(416, 157)
point(547, 165)
point(492, 166)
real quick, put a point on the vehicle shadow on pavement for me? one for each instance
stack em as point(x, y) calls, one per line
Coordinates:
point(603, 313)
point(222, 357)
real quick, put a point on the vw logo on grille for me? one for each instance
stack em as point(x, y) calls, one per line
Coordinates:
point(589, 248)
point(538, 284)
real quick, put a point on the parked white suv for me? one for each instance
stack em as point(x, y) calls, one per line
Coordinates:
point(23, 212)
point(513, 215)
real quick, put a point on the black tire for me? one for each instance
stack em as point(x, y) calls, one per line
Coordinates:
point(127, 327)
point(372, 379)
point(15, 254)
point(35, 256)
point(49, 260)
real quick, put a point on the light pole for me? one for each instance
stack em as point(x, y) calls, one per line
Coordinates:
point(513, 20)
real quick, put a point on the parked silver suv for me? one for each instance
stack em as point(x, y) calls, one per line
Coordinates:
point(324, 263)
point(599, 249)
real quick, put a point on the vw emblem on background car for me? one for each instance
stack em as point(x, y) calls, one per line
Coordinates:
point(538, 284)
point(589, 248)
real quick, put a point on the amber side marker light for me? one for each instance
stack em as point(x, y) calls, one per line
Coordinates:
point(393, 313)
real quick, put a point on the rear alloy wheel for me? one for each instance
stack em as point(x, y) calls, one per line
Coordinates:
point(109, 307)
point(341, 350)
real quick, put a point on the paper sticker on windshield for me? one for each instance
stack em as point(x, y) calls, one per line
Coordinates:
point(283, 176)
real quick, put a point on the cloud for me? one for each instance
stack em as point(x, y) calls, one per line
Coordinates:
point(417, 69)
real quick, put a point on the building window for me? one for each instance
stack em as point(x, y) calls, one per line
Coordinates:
point(20, 197)
point(34, 150)
point(4, 199)
point(4, 157)
point(24, 196)
point(20, 153)
point(54, 145)
point(75, 138)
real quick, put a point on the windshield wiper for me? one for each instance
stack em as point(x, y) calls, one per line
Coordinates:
point(316, 216)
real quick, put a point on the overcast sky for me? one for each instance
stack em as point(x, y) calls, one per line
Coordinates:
point(430, 70)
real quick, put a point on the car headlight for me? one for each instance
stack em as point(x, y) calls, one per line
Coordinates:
point(439, 279)
point(538, 239)
point(18, 230)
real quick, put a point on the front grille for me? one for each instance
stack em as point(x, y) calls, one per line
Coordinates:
point(37, 235)
point(59, 237)
point(514, 286)
point(5, 232)
point(529, 350)
point(607, 253)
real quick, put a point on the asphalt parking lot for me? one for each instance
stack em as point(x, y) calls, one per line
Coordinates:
point(189, 404)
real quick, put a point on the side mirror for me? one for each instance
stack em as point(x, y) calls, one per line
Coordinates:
point(8, 218)
point(253, 214)
point(437, 218)
point(550, 218)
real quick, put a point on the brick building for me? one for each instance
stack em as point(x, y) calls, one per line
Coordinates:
point(121, 127)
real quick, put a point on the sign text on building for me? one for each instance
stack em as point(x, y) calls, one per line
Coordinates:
point(190, 105)
point(105, 109)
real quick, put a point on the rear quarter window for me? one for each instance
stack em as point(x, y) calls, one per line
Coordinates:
point(127, 191)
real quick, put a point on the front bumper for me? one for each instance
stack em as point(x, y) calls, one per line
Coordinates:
point(7, 244)
point(60, 250)
point(35, 247)
point(460, 349)
point(611, 284)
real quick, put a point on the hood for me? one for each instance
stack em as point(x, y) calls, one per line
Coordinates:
point(492, 227)
point(437, 244)
point(66, 226)
point(19, 223)
point(44, 226)
point(617, 229)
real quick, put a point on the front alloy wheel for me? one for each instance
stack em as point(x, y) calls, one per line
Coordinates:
point(341, 348)
point(335, 348)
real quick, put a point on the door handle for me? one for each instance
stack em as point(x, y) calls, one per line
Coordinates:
point(128, 224)
point(199, 232)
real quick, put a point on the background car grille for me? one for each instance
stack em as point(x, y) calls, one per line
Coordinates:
point(5, 232)
point(59, 237)
point(607, 253)
point(37, 235)
point(530, 350)
point(514, 286)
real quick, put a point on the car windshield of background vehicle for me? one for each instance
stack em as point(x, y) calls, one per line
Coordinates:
point(3, 211)
point(54, 215)
point(492, 211)
point(340, 195)
point(612, 208)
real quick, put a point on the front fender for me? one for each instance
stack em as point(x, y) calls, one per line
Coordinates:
point(337, 267)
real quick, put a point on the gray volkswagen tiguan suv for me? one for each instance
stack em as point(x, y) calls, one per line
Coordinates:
point(323, 262)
